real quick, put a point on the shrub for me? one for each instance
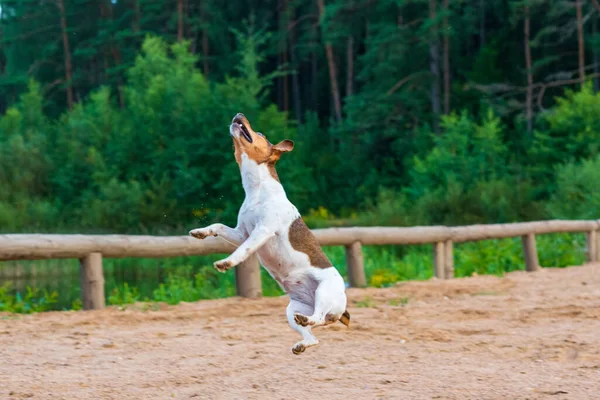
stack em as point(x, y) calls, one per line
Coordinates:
point(577, 194)
point(32, 301)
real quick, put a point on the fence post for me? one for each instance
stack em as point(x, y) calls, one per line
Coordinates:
point(449, 260)
point(439, 260)
point(247, 278)
point(598, 246)
point(91, 279)
point(356, 265)
point(530, 251)
point(590, 246)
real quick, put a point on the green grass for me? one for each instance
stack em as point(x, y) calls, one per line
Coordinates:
point(398, 302)
point(367, 302)
point(54, 284)
point(33, 300)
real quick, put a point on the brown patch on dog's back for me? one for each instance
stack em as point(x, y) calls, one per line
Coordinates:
point(304, 241)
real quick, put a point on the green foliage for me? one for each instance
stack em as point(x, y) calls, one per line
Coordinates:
point(158, 159)
point(25, 165)
point(124, 295)
point(32, 301)
point(466, 177)
point(204, 285)
point(384, 267)
point(145, 147)
point(572, 132)
point(367, 302)
point(77, 305)
point(505, 255)
point(154, 164)
point(577, 192)
point(399, 302)
point(561, 250)
point(465, 174)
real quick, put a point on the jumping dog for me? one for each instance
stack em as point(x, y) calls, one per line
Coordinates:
point(271, 226)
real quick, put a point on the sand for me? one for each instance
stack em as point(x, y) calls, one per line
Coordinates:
point(522, 336)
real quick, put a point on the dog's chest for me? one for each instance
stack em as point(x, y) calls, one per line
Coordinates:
point(267, 205)
point(277, 255)
point(273, 211)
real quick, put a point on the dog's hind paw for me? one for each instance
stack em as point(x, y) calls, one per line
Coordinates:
point(302, 320)
point(301, 346)
point(298, 348)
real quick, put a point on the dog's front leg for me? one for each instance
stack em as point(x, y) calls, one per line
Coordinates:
point(234, 236)
point(259, 236)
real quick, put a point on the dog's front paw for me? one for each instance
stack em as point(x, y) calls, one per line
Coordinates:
point(223, 265)
point(201, 233)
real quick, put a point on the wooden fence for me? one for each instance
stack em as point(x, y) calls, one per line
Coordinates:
point(90, 249)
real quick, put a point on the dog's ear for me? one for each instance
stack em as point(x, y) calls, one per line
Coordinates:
point(284, 146)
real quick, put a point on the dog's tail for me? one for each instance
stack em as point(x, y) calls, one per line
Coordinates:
point(345, 318)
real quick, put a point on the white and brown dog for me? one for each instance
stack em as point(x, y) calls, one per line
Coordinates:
point(270, 225)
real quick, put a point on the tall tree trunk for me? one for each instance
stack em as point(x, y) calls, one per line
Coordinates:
point(179, 20)
point(205, 43)
point(117, 58)
point(136, 23)
point(434, 66)
point(67, 53)
point(107, 13)
point(400, 17)
point(350, 66)
point(286, 85)
point(279, 80)
point(284, 54)
point(192, 32)
point(580, 42)
point(205, 52)
point(314, 82)
point(335, 93)
point(529, 96)
point(2, 67)
point(595, 55)
point(481, 24)
point(350, 61)
point(295, 76)
point(314, 69)
point(446, 59)
point(186, 12)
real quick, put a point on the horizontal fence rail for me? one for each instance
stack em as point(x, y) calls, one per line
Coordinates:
point(90, 249)
point(40, 246)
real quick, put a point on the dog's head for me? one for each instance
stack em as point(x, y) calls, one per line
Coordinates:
point(254, 144)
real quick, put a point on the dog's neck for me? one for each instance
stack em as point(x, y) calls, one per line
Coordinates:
point(258, 178)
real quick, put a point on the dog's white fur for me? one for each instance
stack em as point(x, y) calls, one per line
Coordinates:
point(317, 295)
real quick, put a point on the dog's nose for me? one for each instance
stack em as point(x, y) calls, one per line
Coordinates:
point(239, 118)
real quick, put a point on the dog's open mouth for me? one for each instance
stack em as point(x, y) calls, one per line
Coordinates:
point(241, 122)
point(245, 133)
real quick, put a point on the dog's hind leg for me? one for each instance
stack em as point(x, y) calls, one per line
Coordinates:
point(330, 303)
point(308, 339)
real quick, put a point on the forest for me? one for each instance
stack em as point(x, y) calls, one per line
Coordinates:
point(114, 113)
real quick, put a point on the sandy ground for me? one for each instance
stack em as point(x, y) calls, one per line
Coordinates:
point(524, 336)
